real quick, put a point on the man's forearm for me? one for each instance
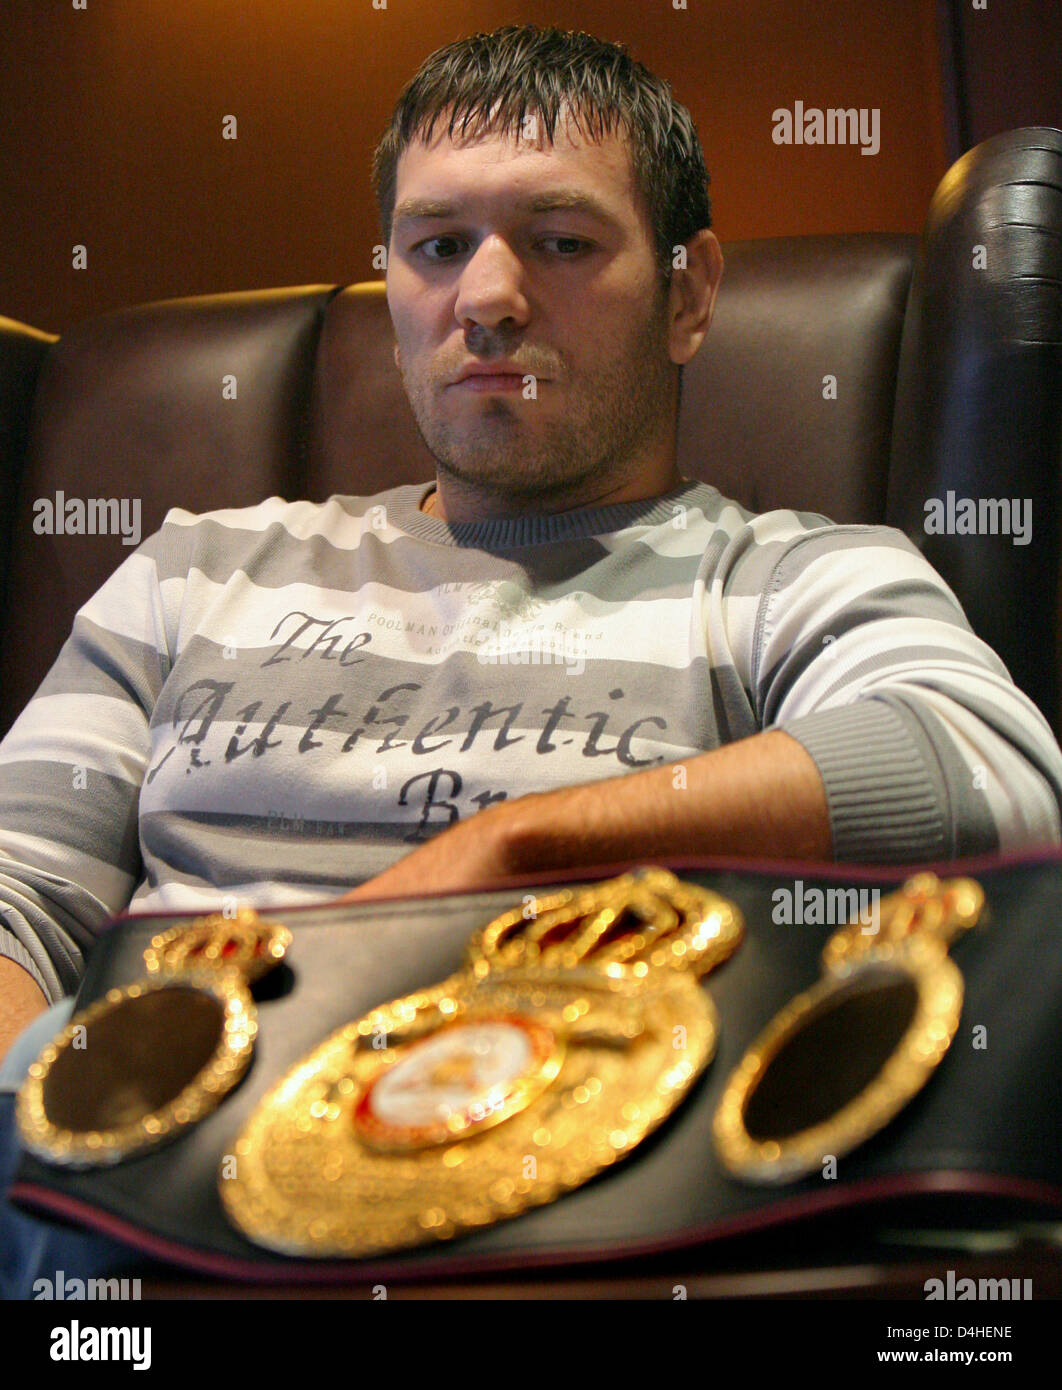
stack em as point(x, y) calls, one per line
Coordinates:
point(762, 796)
point(21, 1000)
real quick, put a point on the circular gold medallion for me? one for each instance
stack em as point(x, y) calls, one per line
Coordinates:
point(572, 1033)
point(306, 1182)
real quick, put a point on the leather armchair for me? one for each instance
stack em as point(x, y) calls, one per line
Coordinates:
point(947, 362)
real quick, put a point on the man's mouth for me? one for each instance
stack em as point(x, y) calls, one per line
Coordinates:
point(492, 374)
point(491, 381)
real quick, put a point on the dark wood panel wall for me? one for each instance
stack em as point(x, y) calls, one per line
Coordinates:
point(113, 129)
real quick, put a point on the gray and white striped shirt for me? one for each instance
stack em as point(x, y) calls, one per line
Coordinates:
point(276, 703)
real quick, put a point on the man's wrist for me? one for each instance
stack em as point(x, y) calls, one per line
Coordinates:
point(566, 828)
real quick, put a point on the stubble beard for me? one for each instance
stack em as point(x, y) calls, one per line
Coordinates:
point(614, 416)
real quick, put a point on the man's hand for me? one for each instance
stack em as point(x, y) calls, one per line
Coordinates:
point(761, 797)
point(21, 1000)
point(472, 853)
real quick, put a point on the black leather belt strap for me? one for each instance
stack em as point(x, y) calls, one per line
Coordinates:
point(983, 1132)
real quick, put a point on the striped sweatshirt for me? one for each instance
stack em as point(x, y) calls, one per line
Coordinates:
point(273, 704)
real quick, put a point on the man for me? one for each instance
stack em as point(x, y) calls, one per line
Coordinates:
point(564, 653)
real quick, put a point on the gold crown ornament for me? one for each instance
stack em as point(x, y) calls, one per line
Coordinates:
point(573, 1031)
point(843, 1058)
point(142, 1064)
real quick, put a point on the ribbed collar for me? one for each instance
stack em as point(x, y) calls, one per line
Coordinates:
point(509, 533)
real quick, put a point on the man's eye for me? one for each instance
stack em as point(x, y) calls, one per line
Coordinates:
point(438, 241)
point(568, 246)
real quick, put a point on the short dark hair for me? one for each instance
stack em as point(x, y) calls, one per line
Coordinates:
point(490, 83)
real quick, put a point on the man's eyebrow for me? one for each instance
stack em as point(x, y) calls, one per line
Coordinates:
point(558, 200)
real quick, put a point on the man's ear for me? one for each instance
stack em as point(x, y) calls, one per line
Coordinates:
point(691, 296)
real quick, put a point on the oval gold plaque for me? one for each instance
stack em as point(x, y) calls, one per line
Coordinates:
point(844, 1057)
point(139, 1066)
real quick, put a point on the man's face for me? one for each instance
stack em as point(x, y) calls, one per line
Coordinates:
point(539, 260)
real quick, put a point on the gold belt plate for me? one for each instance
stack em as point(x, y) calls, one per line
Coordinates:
point(564, 1042)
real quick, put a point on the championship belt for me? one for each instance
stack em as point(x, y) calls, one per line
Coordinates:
point(571, 1026)
point(142, 1064)
point(843, 1058)
point(577, 1026)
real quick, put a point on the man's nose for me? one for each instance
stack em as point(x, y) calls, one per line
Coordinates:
point(491, 287)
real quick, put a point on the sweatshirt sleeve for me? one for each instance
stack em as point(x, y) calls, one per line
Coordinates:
point(849, 641)
point(71, 768)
